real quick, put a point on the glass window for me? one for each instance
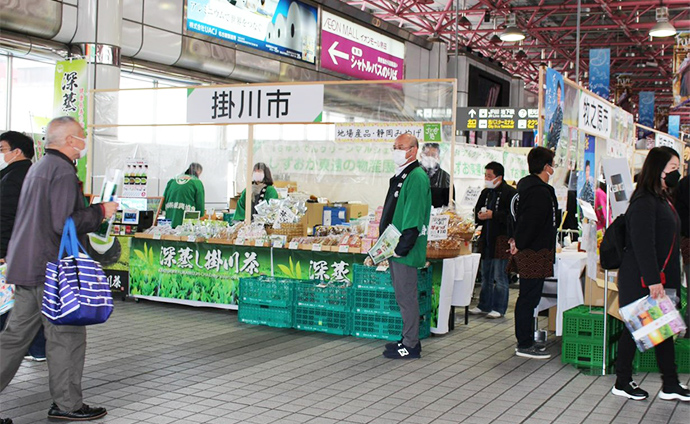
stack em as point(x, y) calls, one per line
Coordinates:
point(32, 93)
point(3, 92)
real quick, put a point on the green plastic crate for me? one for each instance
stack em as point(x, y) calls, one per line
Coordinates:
point(332, 297)
point(588, 353)
point(265, 315)
point(325, 320)
point(367, 277)
point(383, 302)
point(579, 323)
point(267, 291)
point(388, 327)
point(646, 361)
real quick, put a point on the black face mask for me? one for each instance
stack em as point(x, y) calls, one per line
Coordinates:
point(672, 178)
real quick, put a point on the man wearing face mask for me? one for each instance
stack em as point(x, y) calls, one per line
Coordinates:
point(50, 194)
point(439, 180)
point(492, 212)
point(407, 207)
point(184, 193)
point(533, 247)
point(262, 189)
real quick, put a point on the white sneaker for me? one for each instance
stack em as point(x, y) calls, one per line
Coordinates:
point(493, 315)
point(476, 311)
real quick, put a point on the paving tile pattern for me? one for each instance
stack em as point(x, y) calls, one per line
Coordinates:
point(162, 363)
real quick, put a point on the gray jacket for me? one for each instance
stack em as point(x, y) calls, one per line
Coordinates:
point(50, 195)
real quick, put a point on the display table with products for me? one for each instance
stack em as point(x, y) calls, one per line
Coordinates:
point(564, 290)
point(454, 288)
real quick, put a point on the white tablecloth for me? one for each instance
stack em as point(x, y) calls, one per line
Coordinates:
point(567, 287)
point(457, 284)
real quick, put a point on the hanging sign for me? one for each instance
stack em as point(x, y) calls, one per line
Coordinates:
point(357, 51)
point(255, 104)
point(496, 119)
point(426, 132)
point(69, 97)
point(595, 116)
point(600, 71)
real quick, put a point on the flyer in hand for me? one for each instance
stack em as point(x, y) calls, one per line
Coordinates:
point(651, 321)
point(385, 245)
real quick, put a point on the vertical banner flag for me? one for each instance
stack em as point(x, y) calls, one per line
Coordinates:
point(674, 125)
point(646, 109)
point(681, 69)
point(600, 71)
point(69, 98)
point(553, 108)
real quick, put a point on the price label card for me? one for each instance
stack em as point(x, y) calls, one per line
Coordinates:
point(316, 247)
point(191, 239)
point(293, 245)
point(278, 244)
point(157, 236)
point(258, 242)
point(344, 249)
point(239, 240)
point(438, 227)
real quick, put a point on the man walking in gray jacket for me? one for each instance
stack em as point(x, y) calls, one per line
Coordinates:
point(49, 196)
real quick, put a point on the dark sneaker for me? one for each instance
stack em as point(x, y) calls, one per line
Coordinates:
point(5, 421)
point(397, 345)
point(630, 391)
point(85, 413)
point(678, 392)
point(532, 352)
point(404, 352)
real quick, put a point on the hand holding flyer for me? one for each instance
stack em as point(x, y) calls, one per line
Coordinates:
point(385, 245)
point(651, 321)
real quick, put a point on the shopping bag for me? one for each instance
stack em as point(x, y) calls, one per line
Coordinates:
point(651, 321)
point(6, 291)
point(76, 290)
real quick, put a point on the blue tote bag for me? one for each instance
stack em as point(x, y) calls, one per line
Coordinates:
point(76, 289)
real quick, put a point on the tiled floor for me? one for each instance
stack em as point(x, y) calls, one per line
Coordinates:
point(159, 363)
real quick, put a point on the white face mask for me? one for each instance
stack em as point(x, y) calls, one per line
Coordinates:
point(491, 184)
point(429, 162)
point(4, 164)
point(399, 157)
point(82, 152)
point(258, 177)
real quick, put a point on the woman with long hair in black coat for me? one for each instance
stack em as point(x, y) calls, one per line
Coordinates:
point(651, 264)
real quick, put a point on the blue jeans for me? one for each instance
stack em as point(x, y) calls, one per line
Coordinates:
point(494, 297)
point(38, 346)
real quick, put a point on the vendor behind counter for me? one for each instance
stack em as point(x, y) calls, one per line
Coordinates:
point(262, 189)
point(184, 193)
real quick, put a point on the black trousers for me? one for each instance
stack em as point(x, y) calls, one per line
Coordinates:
point(665, 359)
point(528, 299)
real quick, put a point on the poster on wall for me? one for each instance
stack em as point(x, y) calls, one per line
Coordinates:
point(358, 51)
point(69, 97)
point(135, 179)
point(620, 184)
point(586, 177)
point(284, 27)
point(553, 107)
point(681, 69)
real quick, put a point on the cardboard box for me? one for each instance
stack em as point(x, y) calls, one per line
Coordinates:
point(290, 185)
point(553, 311)
point(233, 202)
point(355, 211)
point(594, 295)
point(314, 216)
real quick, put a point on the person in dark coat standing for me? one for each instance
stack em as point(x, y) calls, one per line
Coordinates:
point(651, 263)
point(439, 180)
point(533, 246)
point(16, 152)
point(50, 194)
point(682, 202)
point(492, 212)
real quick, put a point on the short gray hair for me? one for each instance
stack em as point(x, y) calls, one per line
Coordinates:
point(58, 129)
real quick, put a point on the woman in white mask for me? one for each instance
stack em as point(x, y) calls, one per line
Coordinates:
point(262, 189)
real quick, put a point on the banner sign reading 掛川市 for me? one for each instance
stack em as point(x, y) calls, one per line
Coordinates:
point(357, 51)
point(255, 104)
point(69, 97)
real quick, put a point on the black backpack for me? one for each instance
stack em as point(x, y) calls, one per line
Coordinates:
point(613, 244)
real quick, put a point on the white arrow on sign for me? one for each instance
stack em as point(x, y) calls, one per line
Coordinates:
point(472, 113)
point(337, 53)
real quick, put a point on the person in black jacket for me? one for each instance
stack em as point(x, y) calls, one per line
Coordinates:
point(439, 180)
point(682, 203)
point(533, 245)
point(16, 152)
point(651, 263)
point(492, 212)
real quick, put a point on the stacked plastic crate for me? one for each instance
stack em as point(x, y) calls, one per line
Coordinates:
point(266, 301)
point(376, 313)
point(583, 337)
point(646, 361)
point(324, 307)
